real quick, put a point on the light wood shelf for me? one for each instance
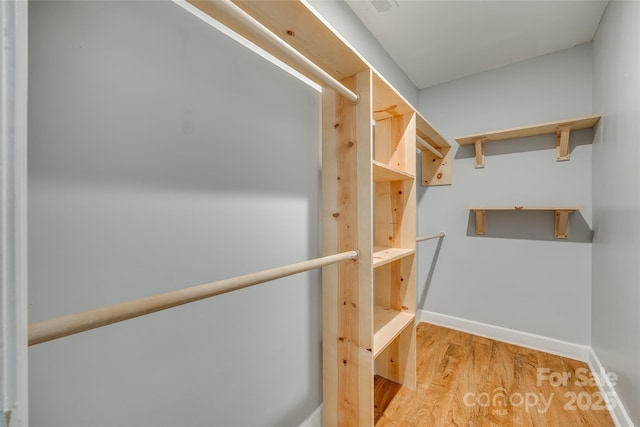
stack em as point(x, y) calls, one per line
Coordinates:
point(527, 208)
point(561, 224)
point(385, 173)
point(561, 128)
point(382, 255)
point(388, 324)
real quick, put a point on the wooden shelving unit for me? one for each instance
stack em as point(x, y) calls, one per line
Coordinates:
point(561, 213)
point(368, 203)
point(562, 129)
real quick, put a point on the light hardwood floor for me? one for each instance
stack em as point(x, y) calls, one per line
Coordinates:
point(468, 381)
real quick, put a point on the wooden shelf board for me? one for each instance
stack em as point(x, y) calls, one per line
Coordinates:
point(561, 226)
point(382, 173)
point(382, 255)
point(526, 208)
point(387, 325)
point(532, 130)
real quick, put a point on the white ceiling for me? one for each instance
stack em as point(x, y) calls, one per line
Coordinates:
point(438, 41)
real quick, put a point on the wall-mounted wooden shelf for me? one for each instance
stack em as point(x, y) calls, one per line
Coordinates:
point(388, 324)
point(561, 129)
point(561, 217)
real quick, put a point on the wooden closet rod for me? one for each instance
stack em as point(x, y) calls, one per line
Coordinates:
point(435, 236)
point(63, 326)
point(429, 147)
point(233, 14)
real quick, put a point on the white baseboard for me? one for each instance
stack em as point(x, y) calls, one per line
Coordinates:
point(511, 336)
point(580, 352)
point(619, 414)
point(315, 419)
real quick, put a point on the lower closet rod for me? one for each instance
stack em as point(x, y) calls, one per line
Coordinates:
point(435, 236)
point(63, 326)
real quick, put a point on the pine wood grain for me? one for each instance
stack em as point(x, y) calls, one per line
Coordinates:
point(347, 294)
point(453, 364)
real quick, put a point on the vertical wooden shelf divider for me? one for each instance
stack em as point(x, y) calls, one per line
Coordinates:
point(561, 128)
point(347, 294)
point(368, 304)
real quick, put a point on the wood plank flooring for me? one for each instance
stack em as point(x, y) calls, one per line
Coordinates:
point(468, 381)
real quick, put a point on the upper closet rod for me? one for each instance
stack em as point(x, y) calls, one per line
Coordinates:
point(429, 147)
point(247, 22)
point(63, 326)
point(435, 236)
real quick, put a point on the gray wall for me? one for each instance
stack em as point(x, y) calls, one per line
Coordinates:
point(616, 200)
point(517, 276)
point(345, 21)
point(162, 154)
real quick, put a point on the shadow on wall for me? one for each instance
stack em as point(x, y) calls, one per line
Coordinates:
point(522, 145)
point(432, 269)
point(530, 225)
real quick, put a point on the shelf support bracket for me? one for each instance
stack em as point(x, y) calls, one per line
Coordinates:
point(562, 224)
point(562, 143)
point(481, 216)
point(479, 144)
